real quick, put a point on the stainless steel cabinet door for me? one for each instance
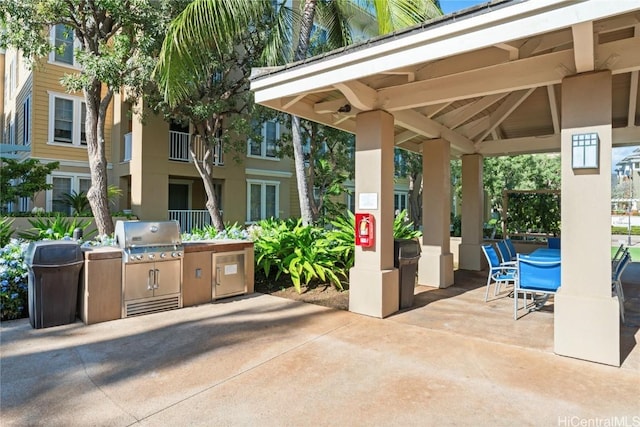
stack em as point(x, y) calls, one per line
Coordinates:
point(228, 274)
point(168, 277)
point(139, 280)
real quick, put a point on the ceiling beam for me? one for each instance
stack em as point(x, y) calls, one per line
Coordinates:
point(583, 47)
point(455, 118)
point(514, 52)
point(405, 136)
point(327, 107)
point(359, 95)
point(416, 122)
point(553, 106)
point(512, 102)
point(500, 78)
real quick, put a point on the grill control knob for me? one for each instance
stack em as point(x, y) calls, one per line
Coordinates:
point(152, 256)
point(163, 255)
point(176, 254)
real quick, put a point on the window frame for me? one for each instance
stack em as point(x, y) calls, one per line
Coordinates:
point(76, 123)
point(263, 142)
point(26, 121)
point(52, 54)
point(263, 198)
point(75, 186)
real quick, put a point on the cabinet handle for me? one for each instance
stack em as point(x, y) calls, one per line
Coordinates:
point(157, 277)
point(150, 280)
point(217, 276)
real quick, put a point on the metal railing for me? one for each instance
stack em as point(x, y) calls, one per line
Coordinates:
point(190, 219)
point(179, 149)
point(126, 156)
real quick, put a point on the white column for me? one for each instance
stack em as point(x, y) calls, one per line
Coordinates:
point(470, 252)
point(373, 281)
point(436, 263)
point(586, 317)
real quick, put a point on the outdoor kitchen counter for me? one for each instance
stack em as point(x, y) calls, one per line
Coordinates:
point(217, 246)
point(200, 282)
point(100, 292)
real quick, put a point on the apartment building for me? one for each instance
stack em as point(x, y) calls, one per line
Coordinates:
point(148, 159)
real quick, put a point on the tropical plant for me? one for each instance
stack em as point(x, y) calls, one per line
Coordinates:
point(78, 202)
point(116, 44)
point(55, 228)
point(403, 228)
point(301, 251)
point(14, 281)
point(5, 230)
point(113, 193)
point(217, 25)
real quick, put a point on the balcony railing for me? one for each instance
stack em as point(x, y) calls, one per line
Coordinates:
point(126, 156)
point(190, 219)
point(179, 146)
point(179, 149)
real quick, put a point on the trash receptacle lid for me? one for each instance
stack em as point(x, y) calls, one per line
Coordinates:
point(53, 252)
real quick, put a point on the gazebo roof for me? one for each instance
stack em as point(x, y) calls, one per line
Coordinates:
point(487, 79)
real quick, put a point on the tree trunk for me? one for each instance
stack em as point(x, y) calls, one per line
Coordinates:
point(303, 188)
point(415, 193)
point(94, 129)
point(205, 170)
point(308, 11)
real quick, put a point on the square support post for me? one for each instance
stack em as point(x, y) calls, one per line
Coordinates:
point(586, 315)
point(436, 263)
point(470, 251)
point(373, 281)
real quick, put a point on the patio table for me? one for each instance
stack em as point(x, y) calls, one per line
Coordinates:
point(550, 254)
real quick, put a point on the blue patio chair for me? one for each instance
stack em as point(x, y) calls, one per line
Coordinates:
point(553, 243)
point(498, 273)
point(503, 250)
point(512, 249)
point(535, 276)
point(616, 283)
point(615, 259)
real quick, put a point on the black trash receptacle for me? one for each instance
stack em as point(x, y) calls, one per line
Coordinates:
point(406, 256)
point(54, 277)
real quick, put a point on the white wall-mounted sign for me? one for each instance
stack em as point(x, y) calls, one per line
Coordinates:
point(368, 201)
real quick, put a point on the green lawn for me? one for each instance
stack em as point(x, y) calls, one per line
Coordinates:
point(635, 253)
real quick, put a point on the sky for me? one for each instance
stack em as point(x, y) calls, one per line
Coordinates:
point(450, 6)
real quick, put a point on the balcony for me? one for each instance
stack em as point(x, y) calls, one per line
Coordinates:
point(179, 149)
point(190, 219)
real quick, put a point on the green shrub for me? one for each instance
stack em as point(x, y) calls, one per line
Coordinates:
point(302, 252)
point(209, 232)
point(14, 281)
point(55, 229)
point(78, 202)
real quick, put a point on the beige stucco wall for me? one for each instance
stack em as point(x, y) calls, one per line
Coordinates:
point(586, 321)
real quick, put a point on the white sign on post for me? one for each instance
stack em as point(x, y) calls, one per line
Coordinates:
point(368, 201)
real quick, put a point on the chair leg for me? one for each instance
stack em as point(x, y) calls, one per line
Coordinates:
point(486, 293)
point(515, 304)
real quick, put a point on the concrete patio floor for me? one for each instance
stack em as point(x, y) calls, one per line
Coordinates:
point(267, 361)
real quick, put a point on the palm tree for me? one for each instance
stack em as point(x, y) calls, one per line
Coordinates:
point(217, 24)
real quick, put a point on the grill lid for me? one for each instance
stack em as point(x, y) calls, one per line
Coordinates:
point(131, 234)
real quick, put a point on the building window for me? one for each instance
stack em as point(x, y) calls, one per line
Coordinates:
point(267, 146)
point(63, 43)
point(263, 200)
point(26, 121)
point(67, 116)
point(11, 133)
point(65, 184)
point(399, 202)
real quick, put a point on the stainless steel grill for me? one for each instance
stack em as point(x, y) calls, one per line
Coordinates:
point(151, 266)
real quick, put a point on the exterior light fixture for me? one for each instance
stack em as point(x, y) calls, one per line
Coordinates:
point(584, 151)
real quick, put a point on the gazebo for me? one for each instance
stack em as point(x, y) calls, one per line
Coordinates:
point(506, 77)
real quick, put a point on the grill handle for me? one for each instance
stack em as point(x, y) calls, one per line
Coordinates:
point(150, 280)
point(157, 279)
